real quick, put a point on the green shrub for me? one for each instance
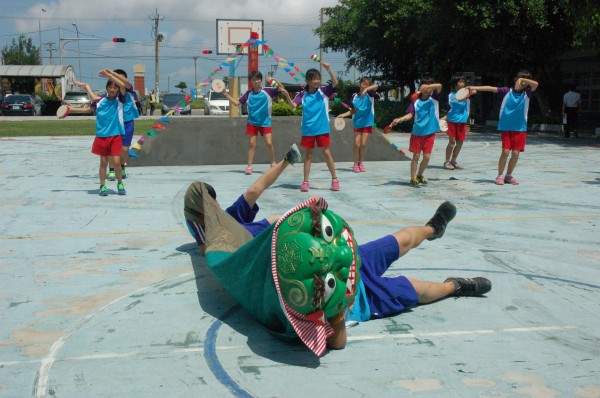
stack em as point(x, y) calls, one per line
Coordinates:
point(197, 104)
point(281, 108)
point(386, 111)
point(336, 108)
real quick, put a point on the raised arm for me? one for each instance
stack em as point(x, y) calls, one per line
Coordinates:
point(119, 80)
point(230, 98)
point(489, 89)
point(334, 80)
point(87, 88)
point(286, 95)
point(522, 83)
point(372, 87)
point(431, 87)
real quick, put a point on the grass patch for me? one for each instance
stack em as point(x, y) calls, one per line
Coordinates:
point(60, 128)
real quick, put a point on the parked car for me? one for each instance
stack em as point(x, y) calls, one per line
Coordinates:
point(171, 100)
point(140, 102)
point(216, 103)
point(79, 102)
point(22, 104)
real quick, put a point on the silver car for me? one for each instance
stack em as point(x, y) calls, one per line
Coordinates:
point(79, 102)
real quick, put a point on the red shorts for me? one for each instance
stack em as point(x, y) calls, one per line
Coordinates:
point(254, 130)
point(368, 130)
point(308, 141)
point(457, 130)
point(421, 143)
point(107, 146)
point(514, 140)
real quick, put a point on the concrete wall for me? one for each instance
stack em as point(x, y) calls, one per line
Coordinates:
point(221, 140)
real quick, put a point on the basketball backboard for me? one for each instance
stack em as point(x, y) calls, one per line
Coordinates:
point(231, 33)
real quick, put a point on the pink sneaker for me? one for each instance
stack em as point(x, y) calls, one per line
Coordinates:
point(304, 186)
point(511, 180)
point(356, 168)
point(273, 164)
point(335, 185)
point(448, 166)
point(248, 170)
point(500, 180)
point(361, 167)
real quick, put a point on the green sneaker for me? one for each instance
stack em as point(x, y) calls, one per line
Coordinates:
point(123, 173)
point(103, 190)
point(121, 189)
point(415, 182)
point(422, 180)
point(111, 176)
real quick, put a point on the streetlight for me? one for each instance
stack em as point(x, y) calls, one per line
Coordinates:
point(195, 70)
point(40, 33)
point(78, 53)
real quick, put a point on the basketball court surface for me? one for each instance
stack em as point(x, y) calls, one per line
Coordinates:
point(109, 297)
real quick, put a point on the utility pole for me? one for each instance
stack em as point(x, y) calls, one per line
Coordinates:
point(50, 50)
point(195, 74)
point(157, 39)
point(40, 33)
point(321, 43)
point(78, 52)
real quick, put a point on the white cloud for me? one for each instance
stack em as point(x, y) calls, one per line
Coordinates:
point(189, 26)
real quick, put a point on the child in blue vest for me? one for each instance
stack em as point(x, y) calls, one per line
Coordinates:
point(130, 113)
point(513, 122)
point(363, 118)
point(457, 119)
point(426, 112)
point(315, 121)
point(260, 104)
point(109, 126)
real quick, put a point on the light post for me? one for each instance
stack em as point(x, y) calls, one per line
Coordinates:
point(195, 74)
point(78, 53)
point(40, 33)
point(63, 41)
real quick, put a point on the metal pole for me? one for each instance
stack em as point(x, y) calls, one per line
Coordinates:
point(78, 53)
point(59, 46)
point(321, 45)
point(156, 66)
point(195, 74)
point(40, 33)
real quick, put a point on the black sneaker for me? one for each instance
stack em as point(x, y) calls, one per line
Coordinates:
point(443, 215)
point(470, 286)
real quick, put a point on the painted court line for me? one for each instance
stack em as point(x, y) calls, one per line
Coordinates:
point(463, 333)
point(200, 350)
point(41, 387)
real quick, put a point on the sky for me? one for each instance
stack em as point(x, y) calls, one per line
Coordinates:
point(188, 27)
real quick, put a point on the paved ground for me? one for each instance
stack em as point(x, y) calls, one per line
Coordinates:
point(108, 297)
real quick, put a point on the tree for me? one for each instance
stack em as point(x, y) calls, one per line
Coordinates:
point(182, 86)
point(21, 52)
point(403, 40)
